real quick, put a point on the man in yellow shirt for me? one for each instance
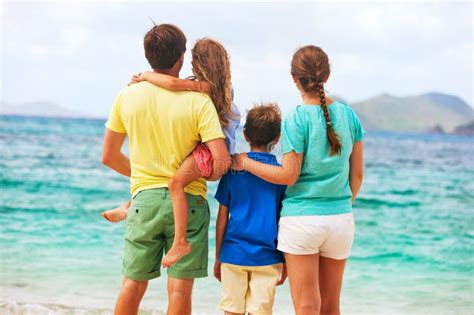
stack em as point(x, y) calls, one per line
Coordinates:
point(163, 128)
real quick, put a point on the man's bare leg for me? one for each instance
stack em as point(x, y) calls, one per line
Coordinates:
point(130, 297)
point(118, 214)
point(179, 296)
point(186, 174)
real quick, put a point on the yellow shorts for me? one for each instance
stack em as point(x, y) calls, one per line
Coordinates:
point(249, 289)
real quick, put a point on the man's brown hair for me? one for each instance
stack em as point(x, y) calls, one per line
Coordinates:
point(263, 124)
point(164, 45)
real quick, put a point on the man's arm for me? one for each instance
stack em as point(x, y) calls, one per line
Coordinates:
point(221, 160)
point(112, 155)
point(221, 225)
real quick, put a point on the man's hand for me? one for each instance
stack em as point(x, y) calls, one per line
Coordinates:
point(283, 275)
point(217, 270)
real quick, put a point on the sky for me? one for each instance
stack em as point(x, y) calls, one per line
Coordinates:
point(80, 54)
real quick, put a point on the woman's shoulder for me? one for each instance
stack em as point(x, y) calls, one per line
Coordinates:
point(345, 108)
point(298, 110)
point(350, 115)
point(342, 105)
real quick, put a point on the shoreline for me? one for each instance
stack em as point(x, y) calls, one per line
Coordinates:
point(13, 308)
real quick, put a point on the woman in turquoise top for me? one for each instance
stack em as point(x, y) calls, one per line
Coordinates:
point(323, 166)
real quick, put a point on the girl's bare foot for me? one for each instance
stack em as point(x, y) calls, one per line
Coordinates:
point(116, 215)
point(176, 252)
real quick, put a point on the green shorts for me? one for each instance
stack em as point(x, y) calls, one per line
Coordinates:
point(149, 234)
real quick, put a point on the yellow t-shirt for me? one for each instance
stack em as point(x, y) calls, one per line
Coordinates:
point(163, 128)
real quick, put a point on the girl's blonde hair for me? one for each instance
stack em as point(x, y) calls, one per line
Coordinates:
point(211, 64)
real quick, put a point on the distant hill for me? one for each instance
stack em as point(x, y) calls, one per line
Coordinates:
point(41, 109)
point(431, 113)
point(423, 113)
point(467, 129)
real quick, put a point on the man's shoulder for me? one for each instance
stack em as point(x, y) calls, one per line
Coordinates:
point(138, 87)
point(144, 92)
point(143, 87)
point(196, 98)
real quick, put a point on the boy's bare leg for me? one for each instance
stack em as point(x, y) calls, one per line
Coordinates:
point(118, 214)
point(187, 173)
point(130, 296)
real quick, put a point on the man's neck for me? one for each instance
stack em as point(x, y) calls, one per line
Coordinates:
point(170, 72)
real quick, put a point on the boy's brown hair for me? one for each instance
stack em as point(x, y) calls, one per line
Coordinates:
point(164, 45)
point(263, 124)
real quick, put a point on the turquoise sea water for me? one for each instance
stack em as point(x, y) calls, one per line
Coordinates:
point(413, 252)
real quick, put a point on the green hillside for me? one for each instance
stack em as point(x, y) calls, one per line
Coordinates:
point(414, 113)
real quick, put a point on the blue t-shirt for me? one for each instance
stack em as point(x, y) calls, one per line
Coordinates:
point(254, 206)
point(323, 186)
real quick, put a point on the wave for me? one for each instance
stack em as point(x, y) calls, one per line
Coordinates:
point(17, 308)
point(391, 255)
point(406, 192)
point(44, 187)
point(375, 203)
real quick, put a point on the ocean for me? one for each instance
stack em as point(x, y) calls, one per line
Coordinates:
point(413, 251)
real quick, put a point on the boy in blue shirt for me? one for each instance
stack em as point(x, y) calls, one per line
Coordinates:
point(247, 260)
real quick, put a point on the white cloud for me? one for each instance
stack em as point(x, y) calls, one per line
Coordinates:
point(79, 54)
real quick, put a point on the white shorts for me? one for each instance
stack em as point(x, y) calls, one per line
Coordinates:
point(329, 235)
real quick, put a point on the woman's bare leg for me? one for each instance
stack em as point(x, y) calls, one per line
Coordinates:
point(187, 173)
point(330, 284)
point(118, 214)
point(303, 274)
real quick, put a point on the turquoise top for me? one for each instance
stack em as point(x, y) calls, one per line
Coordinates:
point(323, 186)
